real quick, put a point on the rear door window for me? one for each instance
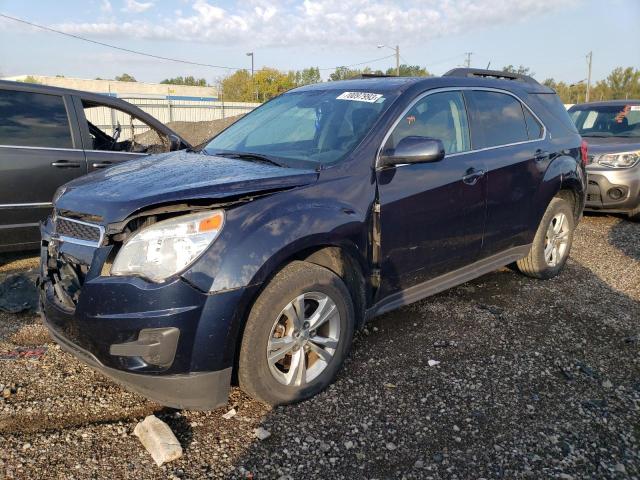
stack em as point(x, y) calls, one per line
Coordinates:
point(497, 119)
point(33, 120)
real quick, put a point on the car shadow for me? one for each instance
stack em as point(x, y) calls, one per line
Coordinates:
point(625, 236)
point(520, 359)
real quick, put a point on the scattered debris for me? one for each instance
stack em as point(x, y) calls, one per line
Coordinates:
point(158, 439)
point(261, 433)
point(18, 293)
point(24, 353)
point(230, 414)
point(607, 384)
point(391, 446)
point(390, 385)
point(433, 363)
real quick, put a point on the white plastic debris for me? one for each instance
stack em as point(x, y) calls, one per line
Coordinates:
point(230, 414)
point(261, 433)
point(433, 363)
point(158, 439)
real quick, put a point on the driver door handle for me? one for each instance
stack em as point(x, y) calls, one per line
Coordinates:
point(104, 164)
point(472, 176)
point(65, 164)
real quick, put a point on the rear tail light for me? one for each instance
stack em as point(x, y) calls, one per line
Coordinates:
point(584, 152)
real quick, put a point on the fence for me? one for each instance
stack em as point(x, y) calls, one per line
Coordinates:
point(166, 110)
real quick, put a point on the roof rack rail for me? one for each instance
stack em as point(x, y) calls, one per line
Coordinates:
point(479, 72)
point(373, 75)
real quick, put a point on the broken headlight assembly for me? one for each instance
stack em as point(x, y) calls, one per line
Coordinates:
point(165, 248)
point(619, 160)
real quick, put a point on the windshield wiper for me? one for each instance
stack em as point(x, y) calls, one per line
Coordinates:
point(248, 156)
point(598, 135)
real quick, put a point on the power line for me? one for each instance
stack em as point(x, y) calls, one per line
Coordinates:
point(159, 57)
point(137, 52)
point(357, 64)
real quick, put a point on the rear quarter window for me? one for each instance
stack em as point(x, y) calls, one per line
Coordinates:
point(556, 109)
point(33, 120)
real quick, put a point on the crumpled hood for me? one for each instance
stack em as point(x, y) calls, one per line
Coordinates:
point(117, 192)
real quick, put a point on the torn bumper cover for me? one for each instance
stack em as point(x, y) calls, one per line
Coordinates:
point(166, 341)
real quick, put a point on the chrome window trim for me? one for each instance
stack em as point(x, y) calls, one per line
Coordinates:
point(79, 241)
point(115, 151)
point(26, 205)
point(43, 148)
point(460, 89)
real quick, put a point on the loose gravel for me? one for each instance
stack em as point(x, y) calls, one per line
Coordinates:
point(536, 379)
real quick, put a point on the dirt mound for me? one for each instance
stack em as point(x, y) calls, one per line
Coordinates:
point(195, 133)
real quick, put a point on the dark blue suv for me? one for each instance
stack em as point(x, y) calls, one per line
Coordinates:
point(255, 259)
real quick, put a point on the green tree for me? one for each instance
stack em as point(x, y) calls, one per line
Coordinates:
point(125, 77)
point(409, 71)
point(344, 73)
point(520, 70)
point(266, 84)
point(237, 87)
point(30, 79)
point(308, 76)
point(622, 83)
point(189, 80)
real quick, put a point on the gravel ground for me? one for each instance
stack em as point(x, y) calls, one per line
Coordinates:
point(537, 379)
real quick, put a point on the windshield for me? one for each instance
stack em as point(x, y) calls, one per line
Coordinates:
point(313, 126)
point(607, 121)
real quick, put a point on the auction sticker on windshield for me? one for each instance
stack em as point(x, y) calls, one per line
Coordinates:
point(360, 96)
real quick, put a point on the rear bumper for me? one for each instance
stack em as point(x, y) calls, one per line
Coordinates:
point(197, 391)
point(613, 190)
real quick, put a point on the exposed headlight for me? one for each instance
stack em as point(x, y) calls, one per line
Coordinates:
point(168, 247)
point(619, 160)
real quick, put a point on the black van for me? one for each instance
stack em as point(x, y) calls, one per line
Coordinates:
point(47, 138)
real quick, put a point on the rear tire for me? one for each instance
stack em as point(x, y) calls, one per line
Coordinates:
point(286, 357)
point(552, 242)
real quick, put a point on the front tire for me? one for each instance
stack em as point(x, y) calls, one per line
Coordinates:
point(552, 242)
point(298, 333)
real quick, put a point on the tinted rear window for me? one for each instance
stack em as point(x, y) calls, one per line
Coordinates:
point(556, 109)
point(497, 120)
point(33, 120)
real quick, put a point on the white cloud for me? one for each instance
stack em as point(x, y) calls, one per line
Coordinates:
point(105, 6)
point(136, 7)
point(320, 22)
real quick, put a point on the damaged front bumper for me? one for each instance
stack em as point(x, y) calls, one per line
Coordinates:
point(167, 341)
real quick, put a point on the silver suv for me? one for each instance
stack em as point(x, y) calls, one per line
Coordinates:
point(612, 130)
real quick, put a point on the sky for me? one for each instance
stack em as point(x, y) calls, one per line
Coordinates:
point(551, 37)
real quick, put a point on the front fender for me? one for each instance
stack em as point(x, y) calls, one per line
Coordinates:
point(259, 236)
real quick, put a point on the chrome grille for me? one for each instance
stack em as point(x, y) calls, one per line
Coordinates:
point(79, 232)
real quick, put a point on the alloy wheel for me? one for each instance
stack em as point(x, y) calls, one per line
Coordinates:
point(303, 339)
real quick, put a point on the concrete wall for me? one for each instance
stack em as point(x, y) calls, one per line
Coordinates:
point(122, 89)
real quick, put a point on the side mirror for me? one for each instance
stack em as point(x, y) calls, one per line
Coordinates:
point(174, 143)
point(413, 150)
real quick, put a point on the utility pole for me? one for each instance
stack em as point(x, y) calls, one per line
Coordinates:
point(253, 88)
point(397, 51)
point(589, 58)
point(467, 62)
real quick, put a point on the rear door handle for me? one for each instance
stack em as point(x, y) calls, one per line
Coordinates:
point(104, 164)
point(472, 176)
point(65, 164)
point(541, 155)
